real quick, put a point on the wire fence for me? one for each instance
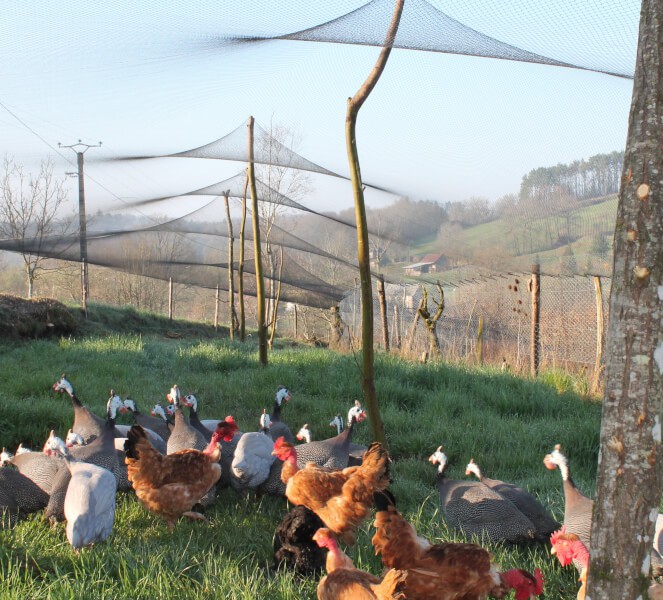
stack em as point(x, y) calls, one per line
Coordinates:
point(569, 330)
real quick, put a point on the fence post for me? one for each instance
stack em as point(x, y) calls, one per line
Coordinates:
point(599, 333)
point(216, 310)
point(170, 298)
point(397, 327)
point(535, 342)
point(382, 299)
point(480, 342)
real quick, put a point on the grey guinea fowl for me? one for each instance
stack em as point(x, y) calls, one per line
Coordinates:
point(19, 496)
point(577, 507)
point(100, 452)
point(191, 401)
point(527, 504)
point(40, 468)
point(278, 427)
point(89, 504)
point(475, 509)
point(86, 424)
point(332, 453)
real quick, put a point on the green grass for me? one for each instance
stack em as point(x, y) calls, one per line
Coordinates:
point(507, 424)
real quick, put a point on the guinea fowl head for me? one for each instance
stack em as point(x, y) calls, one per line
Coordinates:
point(472, 468)
point(114, 404)
point(357, 413)
point(63, 385)
point(129, 405)
point(439, 458)
point(555, 459)
point(191, 401)
point(283, 450)
point(5, 457)
point(54, 446)
point(158, 411)
point(283, 395)
point(524, 583)
point(567, 547)
point(73, 439)
point(174, 395)
point(304, 433)
point(265, 421)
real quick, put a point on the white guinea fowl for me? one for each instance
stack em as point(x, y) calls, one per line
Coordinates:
point(174, 396)
point(265, 421)
point(252, 459)
point(89, 506)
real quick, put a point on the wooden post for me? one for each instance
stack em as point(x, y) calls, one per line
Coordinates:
point(170, 298)
point(382, 299)
point(599, 333)
point(295, 317)
point(397, 327)
point(216, 310)
point(535, 342)
point(84, 287)
point(232, 315)
point(480, 343)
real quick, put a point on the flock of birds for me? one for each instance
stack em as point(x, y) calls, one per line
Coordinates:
point(174, 466)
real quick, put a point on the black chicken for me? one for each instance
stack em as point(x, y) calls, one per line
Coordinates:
point(294, 547)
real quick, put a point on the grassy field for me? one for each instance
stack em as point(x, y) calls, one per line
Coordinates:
point(507, 424)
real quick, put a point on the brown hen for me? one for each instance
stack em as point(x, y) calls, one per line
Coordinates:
point(342, 499)
point(344, 582)
point(170, 485)
point(446, 571)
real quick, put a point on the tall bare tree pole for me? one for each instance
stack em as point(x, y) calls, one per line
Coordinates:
point(240, 266)
point(630, 471)
point(257, 251)
point(368, 353)
point(80, 149)
point(232, 314)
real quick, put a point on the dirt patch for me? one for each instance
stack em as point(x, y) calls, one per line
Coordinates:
point(37, 318)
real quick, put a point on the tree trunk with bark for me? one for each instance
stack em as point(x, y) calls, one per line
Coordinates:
point(257, 252)
point(430, 320)
point(630, 472)
point(240, 267)
point(368, 354)
point(233, 325)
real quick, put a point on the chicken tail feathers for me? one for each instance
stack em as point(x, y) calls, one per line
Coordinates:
point(392, 585)
point(135, 435)
point(377, 463)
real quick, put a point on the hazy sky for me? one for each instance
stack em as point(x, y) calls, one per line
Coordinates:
point(148, 76)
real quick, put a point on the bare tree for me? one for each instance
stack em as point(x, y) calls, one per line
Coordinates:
point(630, 472)
point(363, 258)
point(281, 181)
point(30, 206)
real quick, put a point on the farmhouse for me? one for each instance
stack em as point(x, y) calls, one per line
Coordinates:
point(430, 263)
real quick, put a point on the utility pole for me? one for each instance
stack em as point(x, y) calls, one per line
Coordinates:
point(80, 149)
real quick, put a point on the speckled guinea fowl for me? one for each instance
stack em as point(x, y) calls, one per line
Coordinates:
point(577, 507)
point(19, 496)
point(332, 453)
point(527, 504)
point(40, 468)
point(86, 424)
point(158, 424)
point(100, 452)
point(475, 509)
point(278, 427)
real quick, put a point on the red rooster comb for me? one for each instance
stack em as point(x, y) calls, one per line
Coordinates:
point(554, 537)
point(525, 584)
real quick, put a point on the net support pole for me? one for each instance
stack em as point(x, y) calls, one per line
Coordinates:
point(535, 342)
point(599, 333)
point(170, 298)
